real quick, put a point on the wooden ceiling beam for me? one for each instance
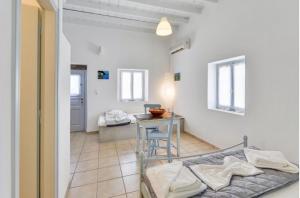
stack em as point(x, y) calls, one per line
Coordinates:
point(188, 8)
point(127, 12)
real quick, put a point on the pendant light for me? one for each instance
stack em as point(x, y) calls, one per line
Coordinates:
point(164, 27)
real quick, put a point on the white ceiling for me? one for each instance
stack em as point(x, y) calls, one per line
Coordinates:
point(141, 15)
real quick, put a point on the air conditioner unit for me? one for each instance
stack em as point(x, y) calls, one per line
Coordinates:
point(181, 46)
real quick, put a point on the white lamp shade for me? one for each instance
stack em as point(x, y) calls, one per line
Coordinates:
point(164, 28)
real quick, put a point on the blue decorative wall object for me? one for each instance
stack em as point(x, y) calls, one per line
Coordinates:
point(104, 75)
point(177, 76)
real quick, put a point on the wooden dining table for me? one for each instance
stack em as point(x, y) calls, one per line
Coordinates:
point(144, 121)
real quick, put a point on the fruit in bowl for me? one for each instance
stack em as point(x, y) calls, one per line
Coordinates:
point(157, 112)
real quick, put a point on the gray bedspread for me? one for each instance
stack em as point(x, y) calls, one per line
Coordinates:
point(240, 187)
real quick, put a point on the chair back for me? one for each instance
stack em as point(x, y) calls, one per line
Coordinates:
point(150, 106)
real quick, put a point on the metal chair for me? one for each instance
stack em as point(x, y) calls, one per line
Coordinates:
point(152, 129)
point(146, 109)
point(157, 136)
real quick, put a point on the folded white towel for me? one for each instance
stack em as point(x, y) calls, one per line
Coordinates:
point(162, 176)
point(219, 176)
point(184, 181)
point(189, 193)
point(270, 159)
point(174, 181)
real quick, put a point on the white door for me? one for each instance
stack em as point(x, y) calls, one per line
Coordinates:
point(78, 100)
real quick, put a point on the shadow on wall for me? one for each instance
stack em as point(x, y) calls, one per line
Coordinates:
point(95, 49)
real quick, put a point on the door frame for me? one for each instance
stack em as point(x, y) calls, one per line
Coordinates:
point(50, 6)
point(15, 86)
point(82, 67)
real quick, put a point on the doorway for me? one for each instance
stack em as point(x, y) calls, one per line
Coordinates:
point(78, 98)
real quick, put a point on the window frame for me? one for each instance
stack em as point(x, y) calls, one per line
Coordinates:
point(144, 84)
point(232, 107)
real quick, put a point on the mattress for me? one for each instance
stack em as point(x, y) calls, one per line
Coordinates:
point(240, 187)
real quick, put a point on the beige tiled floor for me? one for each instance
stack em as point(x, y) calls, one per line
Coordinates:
point(103, 170)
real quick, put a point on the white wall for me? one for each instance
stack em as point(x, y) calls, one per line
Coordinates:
point(63, 109)
point(64, 116)
point(120, 49)
point(267, 33)
point(6, 100)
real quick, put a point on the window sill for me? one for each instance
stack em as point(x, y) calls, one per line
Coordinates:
point(227, 111)
point(132, 101)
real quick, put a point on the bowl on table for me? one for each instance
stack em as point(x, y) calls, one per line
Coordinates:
point(157, 112)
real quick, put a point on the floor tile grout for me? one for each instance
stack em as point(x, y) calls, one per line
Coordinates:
point(120, 148)
point(98, 171)
point(73, 174)
point(121, 173)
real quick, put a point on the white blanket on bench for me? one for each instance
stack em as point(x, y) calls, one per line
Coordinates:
point(102, 122)
point(174, 181)
point(116, 116)
point(219, 176)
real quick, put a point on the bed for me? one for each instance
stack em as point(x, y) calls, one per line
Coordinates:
point(116, 131)
point(271, 183)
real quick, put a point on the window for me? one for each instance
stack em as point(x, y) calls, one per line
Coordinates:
point(133, 85)
point(75, 85)
point(227, 92)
